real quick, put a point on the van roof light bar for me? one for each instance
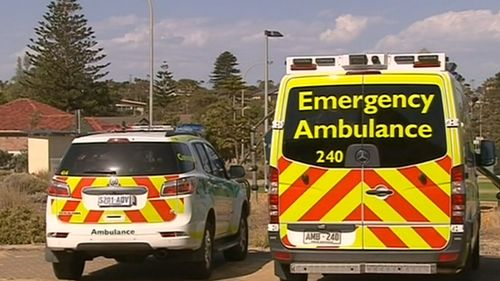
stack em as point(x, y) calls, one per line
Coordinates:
point(368, 62)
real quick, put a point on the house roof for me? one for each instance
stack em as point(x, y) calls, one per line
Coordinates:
point(27, 115)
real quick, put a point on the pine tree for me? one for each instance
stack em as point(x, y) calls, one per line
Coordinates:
point(226, 77)
point(64, 61)
point(164, 86)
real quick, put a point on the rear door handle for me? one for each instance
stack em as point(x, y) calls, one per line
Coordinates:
point(380, 191)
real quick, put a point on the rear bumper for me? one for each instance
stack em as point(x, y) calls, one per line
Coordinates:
point(368, 261)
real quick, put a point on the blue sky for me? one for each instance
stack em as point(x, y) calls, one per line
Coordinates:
point(190, 34)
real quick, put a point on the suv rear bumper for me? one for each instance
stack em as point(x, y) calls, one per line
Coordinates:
point(361, 261)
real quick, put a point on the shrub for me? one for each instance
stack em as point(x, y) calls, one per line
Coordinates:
point(21, 225)
point(5, 158)
point(20, 162)
point(25, 183)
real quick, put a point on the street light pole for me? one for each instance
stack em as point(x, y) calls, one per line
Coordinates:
point(267, 34)
point(151, 61)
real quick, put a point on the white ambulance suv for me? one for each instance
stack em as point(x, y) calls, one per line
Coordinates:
point(130, 195)
point(372, 168)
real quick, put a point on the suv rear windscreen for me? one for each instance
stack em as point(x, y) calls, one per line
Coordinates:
point(404, 122)
point(126, 159)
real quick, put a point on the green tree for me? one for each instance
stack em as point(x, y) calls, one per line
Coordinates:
point(490, 109)
point(65, 61)
point(164, 86)
point(226, 77)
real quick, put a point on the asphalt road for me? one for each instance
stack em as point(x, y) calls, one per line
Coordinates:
point(28, 264)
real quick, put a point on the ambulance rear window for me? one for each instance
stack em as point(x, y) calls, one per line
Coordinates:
point(403, 122)
point(126, 159)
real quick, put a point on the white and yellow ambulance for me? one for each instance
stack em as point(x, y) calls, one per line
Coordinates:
point(372, 168)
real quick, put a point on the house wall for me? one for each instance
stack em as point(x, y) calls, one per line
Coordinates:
point(38, 155)
point(14, 144)
point(45, 152)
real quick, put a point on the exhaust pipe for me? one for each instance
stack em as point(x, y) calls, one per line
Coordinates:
point(161, 254)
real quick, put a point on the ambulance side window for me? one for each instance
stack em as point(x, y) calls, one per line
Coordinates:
point(202, 154)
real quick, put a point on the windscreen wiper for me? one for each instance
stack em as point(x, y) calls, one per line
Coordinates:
point(110, 172)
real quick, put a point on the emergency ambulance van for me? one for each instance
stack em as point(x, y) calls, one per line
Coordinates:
point(372, 168)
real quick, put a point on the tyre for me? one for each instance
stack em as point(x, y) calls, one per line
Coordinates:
point(474, 258)
point(202, 269)
point(240, 251)
point(69, 268)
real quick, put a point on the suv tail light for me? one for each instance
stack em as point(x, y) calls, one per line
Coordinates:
point(273, 195)
point(178, 187)
point(58, 189)
point(458, 199)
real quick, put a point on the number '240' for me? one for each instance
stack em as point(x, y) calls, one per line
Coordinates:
point(332, 156)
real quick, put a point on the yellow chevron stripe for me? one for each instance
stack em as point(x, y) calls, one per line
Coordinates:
point(414, 196)
point(410, 237)
point(150, 213)
point(73, 182)
point(382, 209)
point(437, 175)
point(127, 181)
point(157, 182)
point(81, 217)
point(346, 206)
point(100, 182)
point(444, 231)
point(372, 240)
point(290, 175)
point(322, 186)
point(176, 204)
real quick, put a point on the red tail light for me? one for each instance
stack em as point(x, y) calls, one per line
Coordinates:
point(273, 195)
point(178, 187)
point(458, 199)
point(58, 189)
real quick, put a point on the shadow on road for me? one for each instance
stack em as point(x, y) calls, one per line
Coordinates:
point(153, 269)
point(489, 271)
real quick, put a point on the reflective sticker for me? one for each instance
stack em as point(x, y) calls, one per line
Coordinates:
point(457, 228)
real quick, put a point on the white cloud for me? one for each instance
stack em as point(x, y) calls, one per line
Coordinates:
point(121, 21)
point(459, 31)
point(347, 28)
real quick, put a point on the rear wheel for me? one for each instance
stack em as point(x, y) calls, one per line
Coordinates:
point(203, 267)
point(240, 251)
point(69, 267)
point(475, 256)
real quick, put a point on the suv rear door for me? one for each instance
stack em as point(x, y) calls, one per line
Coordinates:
point(121, 182)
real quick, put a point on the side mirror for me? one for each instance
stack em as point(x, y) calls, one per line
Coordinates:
point(487, 153)
point(236, 172)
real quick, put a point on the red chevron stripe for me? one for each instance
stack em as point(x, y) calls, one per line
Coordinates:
point(286, 242)
point(163, 209)
point(146, 182)
point(69, 206)
point(431, 236)
point(445, 163)
point(93, 217)
point(430, 189)
point(370, 215)
point(298, 188)
point(388, 237)
point(84, 182)
point(355, 215)
point(135, 216)
point(332, 197)
point(283, 164)
point(396, 201)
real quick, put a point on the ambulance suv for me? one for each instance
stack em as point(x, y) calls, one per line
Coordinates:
point(372, 168)
point(129, 195)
